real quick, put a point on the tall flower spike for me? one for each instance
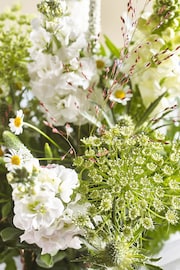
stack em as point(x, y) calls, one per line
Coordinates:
point(94, 22)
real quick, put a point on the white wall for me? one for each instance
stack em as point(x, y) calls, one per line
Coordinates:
point(111, 12)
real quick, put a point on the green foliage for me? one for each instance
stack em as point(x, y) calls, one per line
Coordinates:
point(10, 233)
point(14, 44)
point(112, 48)
point(149, 110)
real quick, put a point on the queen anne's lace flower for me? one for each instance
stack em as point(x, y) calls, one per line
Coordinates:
point(126, 176)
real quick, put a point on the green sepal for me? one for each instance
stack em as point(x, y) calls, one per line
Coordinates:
point(13, 142)
point(47, 261)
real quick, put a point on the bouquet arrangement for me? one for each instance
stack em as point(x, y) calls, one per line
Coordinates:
point(89, 152)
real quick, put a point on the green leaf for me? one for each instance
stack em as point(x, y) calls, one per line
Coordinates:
point(6, 209)
point(10, 265)
point(113, 49)
point(135, 107)
point(153, 267)
point(59, 256)
point(102, 50)
point(10, 233)
point(3, 200)
point(8, 254)
point(155, 259)
point(149, 110)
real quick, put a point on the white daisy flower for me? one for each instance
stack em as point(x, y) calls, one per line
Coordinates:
point(120, 94)
point(13, 160)
point(16, 123)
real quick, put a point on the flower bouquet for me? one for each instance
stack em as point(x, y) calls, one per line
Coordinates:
point(90, 152)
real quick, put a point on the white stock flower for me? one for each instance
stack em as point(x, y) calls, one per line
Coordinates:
point(59, 180)
point(37, 211)
point(39, 36)
point(53, 239)
point(46, 212)
point(60, 76)
point(82, 9)
point(16, 123)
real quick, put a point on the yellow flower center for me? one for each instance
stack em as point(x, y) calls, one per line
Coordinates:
point(100, 64)
point(120, 94)
point(15, 160)
point(17, 121)
point(1, 152)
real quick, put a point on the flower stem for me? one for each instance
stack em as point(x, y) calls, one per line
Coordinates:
point(43, 134)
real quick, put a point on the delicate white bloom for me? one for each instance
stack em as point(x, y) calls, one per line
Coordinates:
point(68, 129)
point(37, 211)
point(54, 238)
point(39, 36)
point(60, 180)
point(16, 123)
point(13, 160)
point(18, 159)
point(120, 94)
point(81, 8)
point(60, 76)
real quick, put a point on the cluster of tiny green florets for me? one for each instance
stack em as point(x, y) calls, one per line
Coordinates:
point(14, 44)
point(117, 255)
point(167, 12)
point(50, 9)
point(132, 180)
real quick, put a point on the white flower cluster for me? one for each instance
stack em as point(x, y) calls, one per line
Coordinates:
point(45, 205)
point(62, 72)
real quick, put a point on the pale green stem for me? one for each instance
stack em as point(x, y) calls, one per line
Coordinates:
point(154, 213)
point(43, 134)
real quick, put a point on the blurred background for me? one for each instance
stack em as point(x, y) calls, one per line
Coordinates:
point(111, 12)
